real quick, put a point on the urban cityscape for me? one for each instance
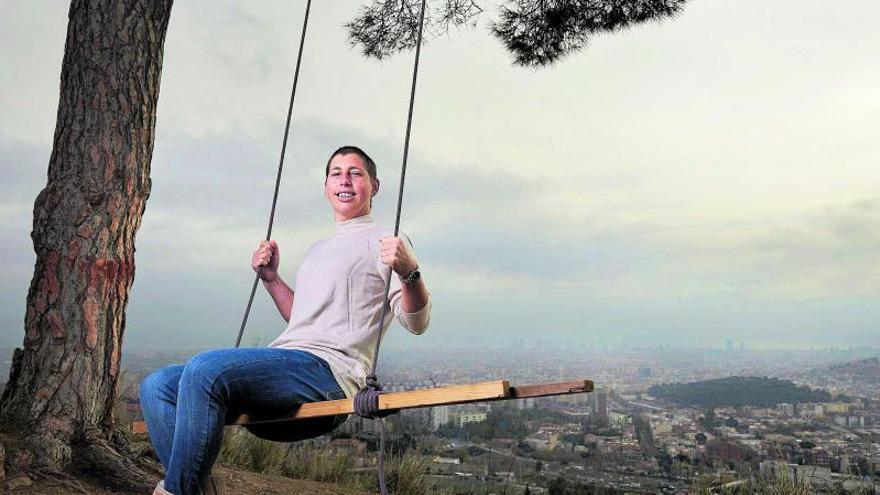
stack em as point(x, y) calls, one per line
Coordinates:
point(811, 415)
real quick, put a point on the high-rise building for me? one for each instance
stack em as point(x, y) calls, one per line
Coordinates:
point(729, 346)
point(602, 406)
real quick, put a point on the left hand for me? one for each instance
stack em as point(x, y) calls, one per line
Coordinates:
point(395, 252)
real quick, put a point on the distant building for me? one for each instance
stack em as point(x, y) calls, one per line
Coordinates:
point(356, 424)
point(785, 408)
point(602, 407)
point(439, 417)
point(836, 407)
point(851, 420)
point(729, 346)
point(471, 417)
point(818, 457)
point(645, 372)
point(723, 450)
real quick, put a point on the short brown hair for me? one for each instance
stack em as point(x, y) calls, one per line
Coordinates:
point(347, 150)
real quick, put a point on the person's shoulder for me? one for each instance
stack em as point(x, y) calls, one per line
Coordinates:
point(378, 231)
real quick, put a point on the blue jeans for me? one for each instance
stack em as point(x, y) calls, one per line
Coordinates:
point(186, 406)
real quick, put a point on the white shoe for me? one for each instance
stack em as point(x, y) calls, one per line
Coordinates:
point(212, 487)
point(160, 489)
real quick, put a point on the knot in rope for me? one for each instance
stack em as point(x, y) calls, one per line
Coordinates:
point(366, 401)
point(366, 405)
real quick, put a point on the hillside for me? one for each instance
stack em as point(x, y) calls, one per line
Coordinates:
point(865, 371)
point(737, 391)
point(236, 481)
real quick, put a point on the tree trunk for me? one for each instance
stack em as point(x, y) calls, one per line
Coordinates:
point(62, 383)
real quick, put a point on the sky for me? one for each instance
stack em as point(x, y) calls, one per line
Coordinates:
point(682, 183)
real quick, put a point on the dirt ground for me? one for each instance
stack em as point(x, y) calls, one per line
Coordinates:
point(235, 481)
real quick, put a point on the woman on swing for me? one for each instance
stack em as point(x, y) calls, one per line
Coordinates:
point(324, 353)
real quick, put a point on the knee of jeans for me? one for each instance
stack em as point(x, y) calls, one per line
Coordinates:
point(202, 370)
point(153, 384)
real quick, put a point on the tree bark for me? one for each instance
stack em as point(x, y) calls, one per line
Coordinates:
point(63, 382)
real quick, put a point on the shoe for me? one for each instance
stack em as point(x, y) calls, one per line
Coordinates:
point(160, 489)
point(212, 487)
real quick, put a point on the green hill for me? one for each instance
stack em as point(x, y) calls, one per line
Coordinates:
point(738, 391)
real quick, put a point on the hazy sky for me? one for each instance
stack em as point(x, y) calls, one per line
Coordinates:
point(711, 177)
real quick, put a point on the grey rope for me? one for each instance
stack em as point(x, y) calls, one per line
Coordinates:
point(366, 401)
point(299, 54)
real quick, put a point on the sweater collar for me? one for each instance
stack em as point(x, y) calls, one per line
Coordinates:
point(353, 224)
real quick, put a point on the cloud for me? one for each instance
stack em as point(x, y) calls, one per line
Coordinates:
point(23, 169)
point(698, 190)
point(832, 252)
point(24, 175)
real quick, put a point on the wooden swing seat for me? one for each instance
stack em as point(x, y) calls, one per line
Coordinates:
point(439, 396)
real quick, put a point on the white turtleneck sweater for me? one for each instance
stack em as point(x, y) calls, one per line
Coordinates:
point(338, 302)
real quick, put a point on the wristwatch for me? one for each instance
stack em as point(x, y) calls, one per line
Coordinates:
point(411, 277)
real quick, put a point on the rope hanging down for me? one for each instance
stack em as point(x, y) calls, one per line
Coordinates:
point(366, 401)
point(280, 167)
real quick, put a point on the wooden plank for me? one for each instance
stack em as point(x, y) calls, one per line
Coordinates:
point(545, 389)
point(453, 394)
point(439, 396)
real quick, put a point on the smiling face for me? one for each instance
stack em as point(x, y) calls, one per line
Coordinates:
point(349, 187)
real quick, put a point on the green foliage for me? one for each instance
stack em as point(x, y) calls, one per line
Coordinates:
point(406, 473)
point(536, 32)
point(709, 421)
point(780, 484)
point(240, 448)
point(319, 464)
point(738, 391)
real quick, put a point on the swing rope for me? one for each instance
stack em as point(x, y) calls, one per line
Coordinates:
point(299, 54)
point(366, 401)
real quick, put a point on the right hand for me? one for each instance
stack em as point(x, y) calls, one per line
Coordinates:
point(267, 256)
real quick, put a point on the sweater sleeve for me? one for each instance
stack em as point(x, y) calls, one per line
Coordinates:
point(416, 323)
